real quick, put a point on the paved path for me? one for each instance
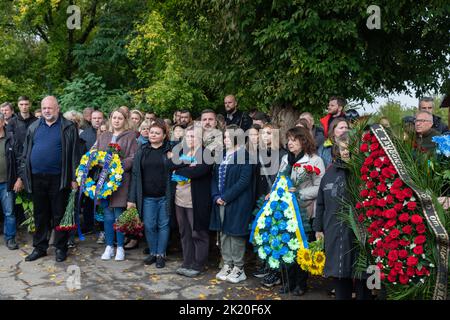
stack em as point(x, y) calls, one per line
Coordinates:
point(129, 279)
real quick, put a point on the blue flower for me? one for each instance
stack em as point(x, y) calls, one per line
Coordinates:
point(268, 222)
point(265, 237)
point(280, 192)
point(275, 243)
point(443, 143)
point(278, 215)
point(267, 249)
point(274, 205)
point(284, 250)
point(283, 205)
point(282, 225)
point(274, 230)
point(285, 238)
point(276, 255)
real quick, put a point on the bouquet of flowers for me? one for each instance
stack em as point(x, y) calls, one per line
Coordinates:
point(303, 171)
point(312, 259)
point(277, 232)
point(130, 223)
point(68, 221)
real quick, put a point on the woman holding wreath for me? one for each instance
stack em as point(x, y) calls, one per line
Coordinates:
point(120, 134)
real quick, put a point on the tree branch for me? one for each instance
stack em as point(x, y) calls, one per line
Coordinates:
point(42, 34)
point(92, 23)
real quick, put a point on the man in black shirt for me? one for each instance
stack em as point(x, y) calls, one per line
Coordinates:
point(235, 116)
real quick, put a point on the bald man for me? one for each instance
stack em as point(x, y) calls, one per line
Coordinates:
point(50, 158)
point(235, 116)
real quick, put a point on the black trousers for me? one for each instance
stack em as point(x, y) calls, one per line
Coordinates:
point(49, 206)
point(344, 289)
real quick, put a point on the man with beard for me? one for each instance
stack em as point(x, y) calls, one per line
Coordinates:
point(212, 137)
point(235, 116)
point(335, 110)
point(185, 118)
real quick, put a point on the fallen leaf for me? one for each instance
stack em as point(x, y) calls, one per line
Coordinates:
point(201, 296)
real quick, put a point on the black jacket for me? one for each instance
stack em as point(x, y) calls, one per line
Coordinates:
point(263, 181)
point(70, 154)
point(240, 119)
point(200, 176)
point(12, 160)
point(438, 125)
point(135, 193)
point(19, 126)
point(339, 238)
point(89, 136)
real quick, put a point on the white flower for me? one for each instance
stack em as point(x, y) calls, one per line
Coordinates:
point(431, 265)
point(261, 222)
point(288, 213)
point(118, 177)
point(291, 226)
point(288, 257)
point(258, 239)
point(412, 246)
point(293, 244)
point(274, 264)
point(261, 253)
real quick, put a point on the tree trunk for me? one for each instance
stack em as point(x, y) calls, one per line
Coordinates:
point(285, 118)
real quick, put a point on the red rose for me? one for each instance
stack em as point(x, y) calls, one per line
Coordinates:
point(364, 147)
point(297, 165)
point(422, 271)
point(374, 139)
point(410, 271)
point(403, 279)
point(393, 245)
point(415, 218)
point(394, 233)
point(393, 255)
point(418, 250)
point(381, 203)
point(412, 261)
point(378, 163)
point(398, 206)
point(368, 161)
point(364, 177)
point(408, 192)
point(382, 276)
point(372, 194)
point(397, 183)
point(386, 173)
point(308, 168)
point(390, 214)
point(411, 206)
point(404, 242)
point(317, 170)
point(421, 228)
point(367, 136)
point(407, 229)
point(389, 199)
point(392, 278)
point(390, 224)
point(358, 205)
point(370, 185)
point(420, 239)
point(364, 193)
point(361, 218)
point(379, 244)
point(404, 217)
point(374, 174)
point(386, 161)
point(374, 146)
point(382, 188)
point(366, 204)
point(402, 254)
point(398, 266)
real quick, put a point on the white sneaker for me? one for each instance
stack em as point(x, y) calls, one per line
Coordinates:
point(120, 254)
point(224, 272)
point(108, 254)
point(237, 275)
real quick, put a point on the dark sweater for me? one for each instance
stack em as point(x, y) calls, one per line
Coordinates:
point(153, 177)
point(46, 153)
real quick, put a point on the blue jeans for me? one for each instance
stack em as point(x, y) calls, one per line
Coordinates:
point(111, 214)
point(156, 221)
point(7, 199)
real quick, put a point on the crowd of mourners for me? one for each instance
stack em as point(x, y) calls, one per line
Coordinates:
point(199, 179)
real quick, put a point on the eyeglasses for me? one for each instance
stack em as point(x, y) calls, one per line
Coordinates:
point(421, 121)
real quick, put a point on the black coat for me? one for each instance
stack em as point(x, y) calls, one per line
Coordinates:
point(19, 126)
point(135, 193)
point(241, 119)
point(200, 176)
point(70, 154)
point(239, 197)
point(264, 182)
point(89, 135)
point(340, 251)
point(12, 160)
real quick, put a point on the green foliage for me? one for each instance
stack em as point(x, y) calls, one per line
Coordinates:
point(90, 91)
